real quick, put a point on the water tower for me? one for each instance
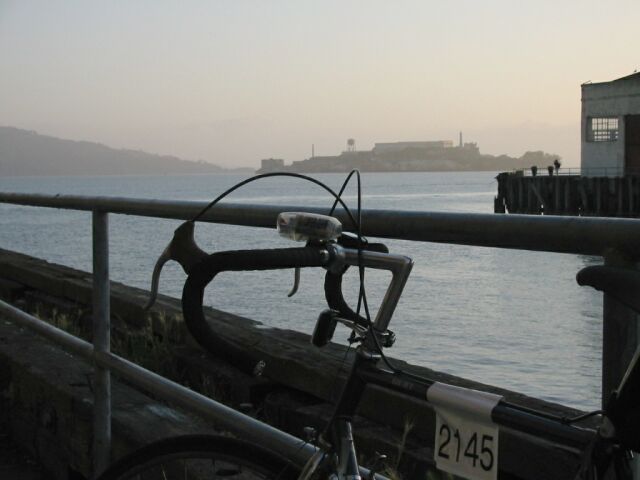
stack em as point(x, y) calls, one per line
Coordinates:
point(351, 145)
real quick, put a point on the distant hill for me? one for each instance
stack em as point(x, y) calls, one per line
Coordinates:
point(24, 152)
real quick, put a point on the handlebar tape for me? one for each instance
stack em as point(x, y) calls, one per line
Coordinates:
point(335, 299)
point(239, 260)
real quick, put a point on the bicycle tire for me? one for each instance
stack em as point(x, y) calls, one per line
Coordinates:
point(201, 457)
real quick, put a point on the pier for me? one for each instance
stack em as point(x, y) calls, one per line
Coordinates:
point(568, 194)
point(74, 428)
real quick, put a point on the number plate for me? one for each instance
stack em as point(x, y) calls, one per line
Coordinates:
point(466, 448)
point(466, 438)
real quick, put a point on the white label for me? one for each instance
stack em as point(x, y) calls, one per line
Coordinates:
point(466, 440)
point(466, 448)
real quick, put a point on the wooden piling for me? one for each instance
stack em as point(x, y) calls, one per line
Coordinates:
point(520, 197)
point(621, 199)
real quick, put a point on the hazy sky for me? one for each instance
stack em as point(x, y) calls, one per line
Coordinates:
point(232, 82)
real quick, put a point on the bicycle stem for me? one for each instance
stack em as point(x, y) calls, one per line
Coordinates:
point(399, 265)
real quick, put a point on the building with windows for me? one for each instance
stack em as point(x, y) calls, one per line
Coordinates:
point(395, 147)
point(611, 127)
point(271, 165)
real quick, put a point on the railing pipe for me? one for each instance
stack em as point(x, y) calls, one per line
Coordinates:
point(577, 235)
point(101, 343)
point(233, 421)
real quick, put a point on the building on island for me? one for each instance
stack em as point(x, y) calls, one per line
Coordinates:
point(400, 146)
point(271, 164)
point(610, 130)
point(414, 156)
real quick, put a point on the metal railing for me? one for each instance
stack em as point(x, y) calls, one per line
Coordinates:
point(617, 240)
point(578, 171)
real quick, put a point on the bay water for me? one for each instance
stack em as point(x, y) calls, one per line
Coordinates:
point(510, 318)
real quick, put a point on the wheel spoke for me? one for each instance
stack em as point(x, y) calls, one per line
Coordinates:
point(201, 457)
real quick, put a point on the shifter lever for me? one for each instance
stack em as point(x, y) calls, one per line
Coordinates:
point(183, 249)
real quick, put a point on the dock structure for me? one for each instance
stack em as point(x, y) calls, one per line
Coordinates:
point(607, 183)
point(600, 196)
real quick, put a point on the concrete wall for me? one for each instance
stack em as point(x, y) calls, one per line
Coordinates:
point(610, 99)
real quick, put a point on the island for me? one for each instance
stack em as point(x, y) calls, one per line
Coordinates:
point(420, 156)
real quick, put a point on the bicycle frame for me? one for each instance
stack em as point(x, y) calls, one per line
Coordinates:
point(337, 439)
point(365, 371)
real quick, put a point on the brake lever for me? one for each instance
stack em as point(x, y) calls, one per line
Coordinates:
point(183, 249)
point(296, 279)
point(296, 282)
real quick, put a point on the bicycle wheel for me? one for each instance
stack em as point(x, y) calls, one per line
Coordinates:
point(196, 457)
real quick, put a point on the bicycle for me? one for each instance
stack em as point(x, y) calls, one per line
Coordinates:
point(467, 421)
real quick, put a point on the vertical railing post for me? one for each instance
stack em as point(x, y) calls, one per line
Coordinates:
point(620, 338)
point(101, 343)
point(620, 332)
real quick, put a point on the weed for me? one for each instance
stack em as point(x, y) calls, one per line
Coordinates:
point(393, 471)
point(150, 347)
point(408, 426)
point(69, 322)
